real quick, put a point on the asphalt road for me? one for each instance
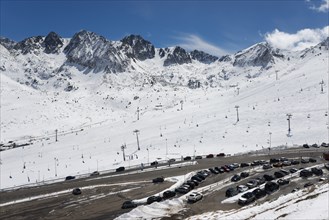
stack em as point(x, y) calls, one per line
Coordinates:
point(103, 195)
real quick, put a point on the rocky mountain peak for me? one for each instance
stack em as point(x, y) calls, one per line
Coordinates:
point(29, 45)
point(7, 43)
point(137, 47)
point(177, 56)
point(53, 42)
point(94, 52)
point(256, 55)
point(203, 57)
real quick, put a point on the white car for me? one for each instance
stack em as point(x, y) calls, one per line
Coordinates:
point(194, 197)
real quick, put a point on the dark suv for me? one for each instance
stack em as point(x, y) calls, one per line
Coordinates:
point(231, 192)
point(128, 205)
point(247, 198)
point(271, 187)
point(153, 199)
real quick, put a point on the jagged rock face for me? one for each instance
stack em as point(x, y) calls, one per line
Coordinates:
point(52, 43)
point(94, 52)
point(258, 55)
point(7, 43)
point(162, 53)
point(136, 47)
point(29, 45)
point(203, 57)
point(226, 58)
point(178, 56)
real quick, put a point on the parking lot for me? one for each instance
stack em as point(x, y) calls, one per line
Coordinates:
point(103, 196)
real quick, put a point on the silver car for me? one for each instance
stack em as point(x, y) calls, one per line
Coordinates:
point(194, 197)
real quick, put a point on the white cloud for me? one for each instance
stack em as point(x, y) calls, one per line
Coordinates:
point(297, 41)
point(323, 7)
point(194, 42)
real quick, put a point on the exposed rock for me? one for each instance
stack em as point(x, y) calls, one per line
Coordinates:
point(203, 57)
point(29, 45)
point(52, 43)
point(178, 56)
point(95, 52)
point(136, 47)
point(7, 43)
point(257, 55)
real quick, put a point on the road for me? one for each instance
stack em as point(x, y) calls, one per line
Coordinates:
point(103, 195)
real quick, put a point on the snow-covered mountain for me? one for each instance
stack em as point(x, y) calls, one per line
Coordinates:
point(89, 88)
point(52, 60)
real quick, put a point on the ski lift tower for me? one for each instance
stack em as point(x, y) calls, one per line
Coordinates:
point(237, 113)
point(137, 132)
point(289, 129)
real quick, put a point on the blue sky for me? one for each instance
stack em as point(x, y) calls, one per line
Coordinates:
point(218, 27)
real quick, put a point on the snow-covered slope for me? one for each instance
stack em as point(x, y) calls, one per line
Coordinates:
point(186, 105)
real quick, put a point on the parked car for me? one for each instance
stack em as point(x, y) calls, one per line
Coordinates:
point(220, 155)
point(282, 181)
point(196, 183)
point(95, 173)
point(317, 171)
point(259, 193)
point(274, 160)
point(271, 187)
point(168, 194)
point(128, 204)
point(293, 170)
point(260, 180)
point(191, 184)
point(279, 174)
point(70, 178)
point(295, 162)
point(286, 163)
point(305, 160)
point(205, 173)
point(312, 160)
point(315, 145)
point(285, 172)
point(152, 199)
point(267, 166)
point(268, 177)
point(154, 163)
point(252, 183)
point(246, 198)
point(325, 144)
point(120, 169)
point(201, 176)
point(244, 164)
point(305, 173)
point(158, 180)
point(194, 197)
point(196, 178)
point(282, 159)
point(198, 157)
point(236, 178)
point(231, 192)
point(210, 156)
point(182, 190)
point(255, 163)
point(235, 165)
point(76, 191)
point(242, 188)
point(187, 158)
point(306, 146)
point(244, 174)
point(278, 164)
point(225, 168)
point(220, 170)
point(212, 170)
